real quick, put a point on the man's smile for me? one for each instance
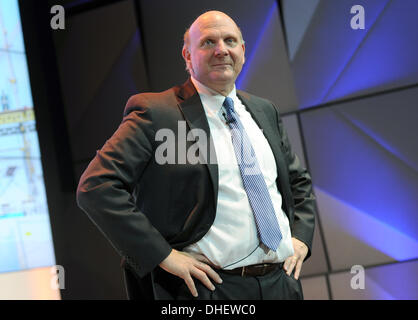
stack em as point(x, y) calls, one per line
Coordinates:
point(222, 65)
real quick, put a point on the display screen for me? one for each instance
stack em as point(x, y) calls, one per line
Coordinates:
point(25, 233)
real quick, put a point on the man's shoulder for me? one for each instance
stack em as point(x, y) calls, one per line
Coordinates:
point(256, 100)
point(152, 100)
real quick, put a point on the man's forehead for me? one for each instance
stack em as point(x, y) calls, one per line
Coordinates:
point(217, 31)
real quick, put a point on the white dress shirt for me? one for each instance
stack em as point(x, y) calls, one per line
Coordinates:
point(232, 240)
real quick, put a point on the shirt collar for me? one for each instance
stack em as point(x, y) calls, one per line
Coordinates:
point(210, 98)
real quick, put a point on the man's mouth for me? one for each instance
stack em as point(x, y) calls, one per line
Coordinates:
point(221, 64)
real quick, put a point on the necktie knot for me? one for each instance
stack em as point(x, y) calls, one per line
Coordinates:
point(230, 112)
point(229, 104)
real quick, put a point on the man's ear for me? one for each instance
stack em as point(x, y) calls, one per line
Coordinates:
point(185, 53)
point(187, 58)
point(243, 49)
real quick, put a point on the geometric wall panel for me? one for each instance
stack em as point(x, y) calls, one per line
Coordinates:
point(387, 56)
point(315, 288)
point(331, 61)
point(297, 15)
point(316, 264)
point(363, 157)
point(101, 65)
point(267, 72)
point(396, 281)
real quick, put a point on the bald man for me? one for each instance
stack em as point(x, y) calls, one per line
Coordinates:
point(229, 214)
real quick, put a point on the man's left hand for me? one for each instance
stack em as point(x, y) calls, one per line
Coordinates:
point(301, 250)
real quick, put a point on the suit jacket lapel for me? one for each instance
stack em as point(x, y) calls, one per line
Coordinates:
point(194, 114)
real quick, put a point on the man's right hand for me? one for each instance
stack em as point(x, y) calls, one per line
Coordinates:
point(184, 265)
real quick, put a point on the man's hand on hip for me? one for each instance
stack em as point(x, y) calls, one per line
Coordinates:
point(295, 261)
point(184, 265)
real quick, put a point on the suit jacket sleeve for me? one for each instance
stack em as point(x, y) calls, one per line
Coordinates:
point(105, 188)
point(303, 224)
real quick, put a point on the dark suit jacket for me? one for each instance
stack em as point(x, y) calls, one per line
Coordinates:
point(145, 209)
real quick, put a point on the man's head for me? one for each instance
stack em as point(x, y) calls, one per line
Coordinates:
point(214, 51)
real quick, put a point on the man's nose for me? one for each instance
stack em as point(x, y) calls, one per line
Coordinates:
point(220, 49)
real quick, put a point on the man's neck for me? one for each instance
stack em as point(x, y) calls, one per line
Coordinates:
point(222, 90)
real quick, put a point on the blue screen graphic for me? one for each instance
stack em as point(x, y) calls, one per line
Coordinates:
point(25, 235)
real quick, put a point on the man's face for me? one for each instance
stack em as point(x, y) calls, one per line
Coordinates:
point(215, 53)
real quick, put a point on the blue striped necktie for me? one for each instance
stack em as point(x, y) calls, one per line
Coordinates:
point(254, 184)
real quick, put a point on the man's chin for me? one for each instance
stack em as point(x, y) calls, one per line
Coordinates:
point(222, 77)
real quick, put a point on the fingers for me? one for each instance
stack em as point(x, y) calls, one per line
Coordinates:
point(290, 264)
point(298, 268)
point(295, 261)
point(209, 271)
point(192, 267)
point(190, 284)
point(202, 271)
point(202, 277)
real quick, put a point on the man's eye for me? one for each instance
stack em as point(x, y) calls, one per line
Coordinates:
point(230, 41)
point(208, 42)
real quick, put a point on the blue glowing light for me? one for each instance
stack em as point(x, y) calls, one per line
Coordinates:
point(243, 77)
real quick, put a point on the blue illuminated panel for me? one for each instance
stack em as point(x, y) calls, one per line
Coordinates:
point(266, 71)
point(331, 61)
point(363, 157)
point(388, 282)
